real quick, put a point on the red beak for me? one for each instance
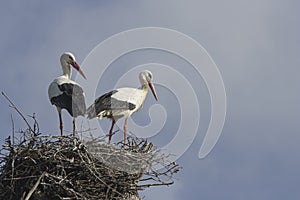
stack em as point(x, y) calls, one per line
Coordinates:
point(153, 90)
point(77, 67)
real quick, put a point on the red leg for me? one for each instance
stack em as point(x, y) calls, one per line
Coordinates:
point(111, 130)
point(74, 126)
point(125, 129)
point(60, 121)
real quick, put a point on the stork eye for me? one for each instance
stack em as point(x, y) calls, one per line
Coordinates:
point(149, 75)
point(71, 57)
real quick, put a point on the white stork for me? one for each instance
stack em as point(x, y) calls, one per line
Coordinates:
point(122, 102)
point(67, 94)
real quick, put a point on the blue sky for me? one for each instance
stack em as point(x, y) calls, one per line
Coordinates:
point(255, 44)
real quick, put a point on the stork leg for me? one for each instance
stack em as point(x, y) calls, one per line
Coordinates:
point(111, 130)
point(125, 129)
point(74, 126)
point(60, 121)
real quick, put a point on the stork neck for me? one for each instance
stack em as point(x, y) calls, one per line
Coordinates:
point(66, 69)
point(145, 87)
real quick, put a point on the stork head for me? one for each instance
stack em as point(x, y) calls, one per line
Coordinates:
point(68, 59)
point(146, 78)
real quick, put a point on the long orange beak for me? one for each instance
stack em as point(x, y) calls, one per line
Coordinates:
point(77, 67)
point(153, 90)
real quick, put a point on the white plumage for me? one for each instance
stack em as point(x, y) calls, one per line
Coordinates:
point(67, 94)
point(122, 102)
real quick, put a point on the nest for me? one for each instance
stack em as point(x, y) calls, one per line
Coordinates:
point(35, 166)
point(49, 167)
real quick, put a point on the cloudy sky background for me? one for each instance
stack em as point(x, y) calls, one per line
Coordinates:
point(255, 44)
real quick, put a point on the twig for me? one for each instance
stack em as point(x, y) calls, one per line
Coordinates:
point(35, 186)
point(36, 128)
point(154, 184)
point(12, 105)
point(19, 178)
point(13, 129)
point(12, 170)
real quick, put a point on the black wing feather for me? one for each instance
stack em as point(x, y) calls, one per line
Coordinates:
point(72, 99)
point(108, 103)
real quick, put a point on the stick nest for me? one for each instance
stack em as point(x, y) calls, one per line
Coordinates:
point(64, 167)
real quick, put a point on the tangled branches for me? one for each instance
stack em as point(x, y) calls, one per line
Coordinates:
point(48, 167)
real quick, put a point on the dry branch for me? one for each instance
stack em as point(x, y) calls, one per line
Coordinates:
point(50, 167)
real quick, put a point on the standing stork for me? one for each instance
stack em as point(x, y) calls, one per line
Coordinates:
point(122, 102)
point(67, 94)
